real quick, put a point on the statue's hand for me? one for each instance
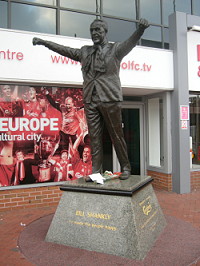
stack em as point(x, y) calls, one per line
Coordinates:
point(37, 41)
point(143, 24)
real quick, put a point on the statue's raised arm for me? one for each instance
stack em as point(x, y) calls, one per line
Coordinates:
point(126, 46)
point(58, 48)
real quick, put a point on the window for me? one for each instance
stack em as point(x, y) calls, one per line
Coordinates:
point(72, 18)
point(33, 147)
point(152, 37)
point(118, 8)
point(70, 24)
point(195, 129)
point(87, 5)
point(3, 14)
point(168, 8)
point(46, 2)
point(150, 10)
point(33, 18)
point(119, 30)
point(183, 6)
point(196, 7)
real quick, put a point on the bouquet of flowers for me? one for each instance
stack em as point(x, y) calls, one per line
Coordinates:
point(108, 175)
point(100, 179)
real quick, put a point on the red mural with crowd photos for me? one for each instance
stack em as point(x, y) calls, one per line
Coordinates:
point(43, 135)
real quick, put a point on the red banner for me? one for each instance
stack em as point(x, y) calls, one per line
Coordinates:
point(43, 135)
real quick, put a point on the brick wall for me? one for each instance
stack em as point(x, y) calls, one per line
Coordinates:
point(195, 180)
point(164, 181)
point(29, 197)
point(161, 180)
point(12, 199)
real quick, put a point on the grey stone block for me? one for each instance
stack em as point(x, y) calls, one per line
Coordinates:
point(122, 218)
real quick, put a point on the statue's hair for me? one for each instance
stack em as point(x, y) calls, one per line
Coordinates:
point(102, 22)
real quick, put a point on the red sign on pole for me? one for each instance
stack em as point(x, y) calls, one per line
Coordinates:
point(184, 112)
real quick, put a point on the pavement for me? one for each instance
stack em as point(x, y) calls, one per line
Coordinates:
point(22, 234)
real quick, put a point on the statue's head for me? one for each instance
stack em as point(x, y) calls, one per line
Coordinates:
point(98, 31)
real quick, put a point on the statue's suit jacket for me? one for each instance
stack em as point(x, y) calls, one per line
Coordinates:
point(107, 83)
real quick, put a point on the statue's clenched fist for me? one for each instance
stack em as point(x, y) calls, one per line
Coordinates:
point(37, 41)
point(143, 24)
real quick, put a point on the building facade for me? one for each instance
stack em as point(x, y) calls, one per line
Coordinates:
point(160, 78)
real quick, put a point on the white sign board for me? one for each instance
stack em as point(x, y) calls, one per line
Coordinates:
point(20, 61)
point(193, 39)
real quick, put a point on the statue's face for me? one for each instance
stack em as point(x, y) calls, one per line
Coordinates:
point(97, 32)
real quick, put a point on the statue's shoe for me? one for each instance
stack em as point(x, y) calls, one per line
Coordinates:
point(125, 175)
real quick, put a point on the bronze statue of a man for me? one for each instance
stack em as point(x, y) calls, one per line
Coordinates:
point(102, 93)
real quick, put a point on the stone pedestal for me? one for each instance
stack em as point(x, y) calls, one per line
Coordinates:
point(122, 218)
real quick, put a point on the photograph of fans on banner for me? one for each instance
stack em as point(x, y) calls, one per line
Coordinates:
point(43, 135)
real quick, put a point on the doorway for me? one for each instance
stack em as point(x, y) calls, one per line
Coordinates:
point(133, 126)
